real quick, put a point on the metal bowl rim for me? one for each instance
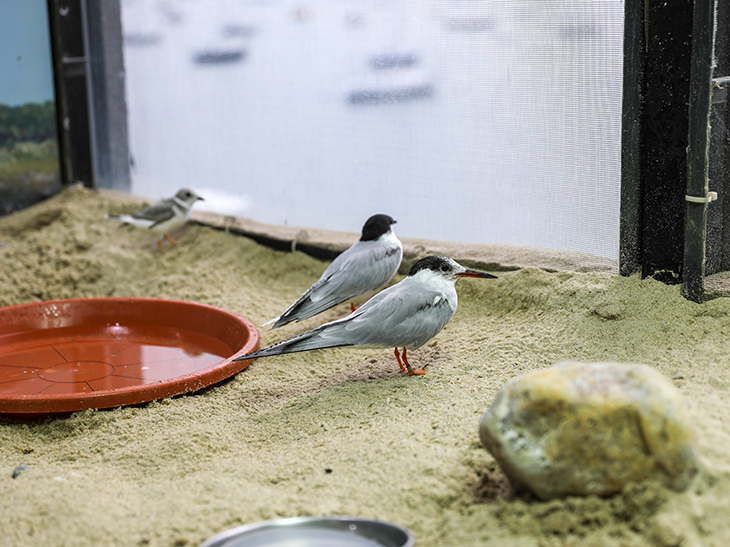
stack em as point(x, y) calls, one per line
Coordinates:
point(218, 539)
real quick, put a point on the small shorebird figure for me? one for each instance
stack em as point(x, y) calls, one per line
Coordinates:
point(163, 217)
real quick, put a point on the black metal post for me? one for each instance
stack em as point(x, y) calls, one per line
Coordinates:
point(697, 197)
point(666, 127)
point(631, 138)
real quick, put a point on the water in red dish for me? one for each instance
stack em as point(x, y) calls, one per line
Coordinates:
point(87, 359)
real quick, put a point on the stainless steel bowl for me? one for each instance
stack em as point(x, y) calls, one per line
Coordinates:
point(314, 532)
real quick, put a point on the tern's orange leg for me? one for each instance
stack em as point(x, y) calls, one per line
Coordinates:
point(405, 365)
point(168, 237)
point(159, 245)
point(353, 308)
point(400, 363)
point(411, 370)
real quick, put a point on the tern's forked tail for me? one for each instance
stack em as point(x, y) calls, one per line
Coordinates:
point(304, 342)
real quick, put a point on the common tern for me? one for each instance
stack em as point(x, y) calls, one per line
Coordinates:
point(365, 267)
point(406, 315)
point(163, 217)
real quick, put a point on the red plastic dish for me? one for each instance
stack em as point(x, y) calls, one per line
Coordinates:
point(69, 355)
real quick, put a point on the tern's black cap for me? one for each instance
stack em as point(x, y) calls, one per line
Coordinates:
point(433, 262)
point(447, 266)
point(376, 226)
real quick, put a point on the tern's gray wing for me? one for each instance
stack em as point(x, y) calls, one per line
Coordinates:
point(364, 267)
point(157, 213)
point(403, 315)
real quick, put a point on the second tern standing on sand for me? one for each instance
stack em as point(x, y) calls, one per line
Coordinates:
point(406, 315)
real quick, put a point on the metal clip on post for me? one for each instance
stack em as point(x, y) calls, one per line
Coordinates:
point(711, 196)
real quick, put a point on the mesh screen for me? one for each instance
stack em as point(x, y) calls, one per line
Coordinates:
point(473, 121)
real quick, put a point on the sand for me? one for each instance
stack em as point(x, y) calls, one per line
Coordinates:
point(342, 431)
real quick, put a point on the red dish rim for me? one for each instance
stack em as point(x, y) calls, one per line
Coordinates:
point(236, 331)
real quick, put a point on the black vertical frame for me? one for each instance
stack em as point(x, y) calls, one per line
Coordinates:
point(632, 128)
point(72, 97)
point(86, 40)
point(666, 125)
point(718, 215)
point(665, 106)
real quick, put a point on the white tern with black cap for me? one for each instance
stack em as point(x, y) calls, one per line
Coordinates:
point(365, 267)
point(406, 315)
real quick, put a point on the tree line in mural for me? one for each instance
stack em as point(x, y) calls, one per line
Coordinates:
point(34, 122)
point(29, 163)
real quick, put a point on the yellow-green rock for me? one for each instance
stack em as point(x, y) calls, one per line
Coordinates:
point(590, 428)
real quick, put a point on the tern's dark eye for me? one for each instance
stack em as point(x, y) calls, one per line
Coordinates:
point(445, 268)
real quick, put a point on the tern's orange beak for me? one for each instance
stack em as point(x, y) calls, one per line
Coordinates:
point(475, 273)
